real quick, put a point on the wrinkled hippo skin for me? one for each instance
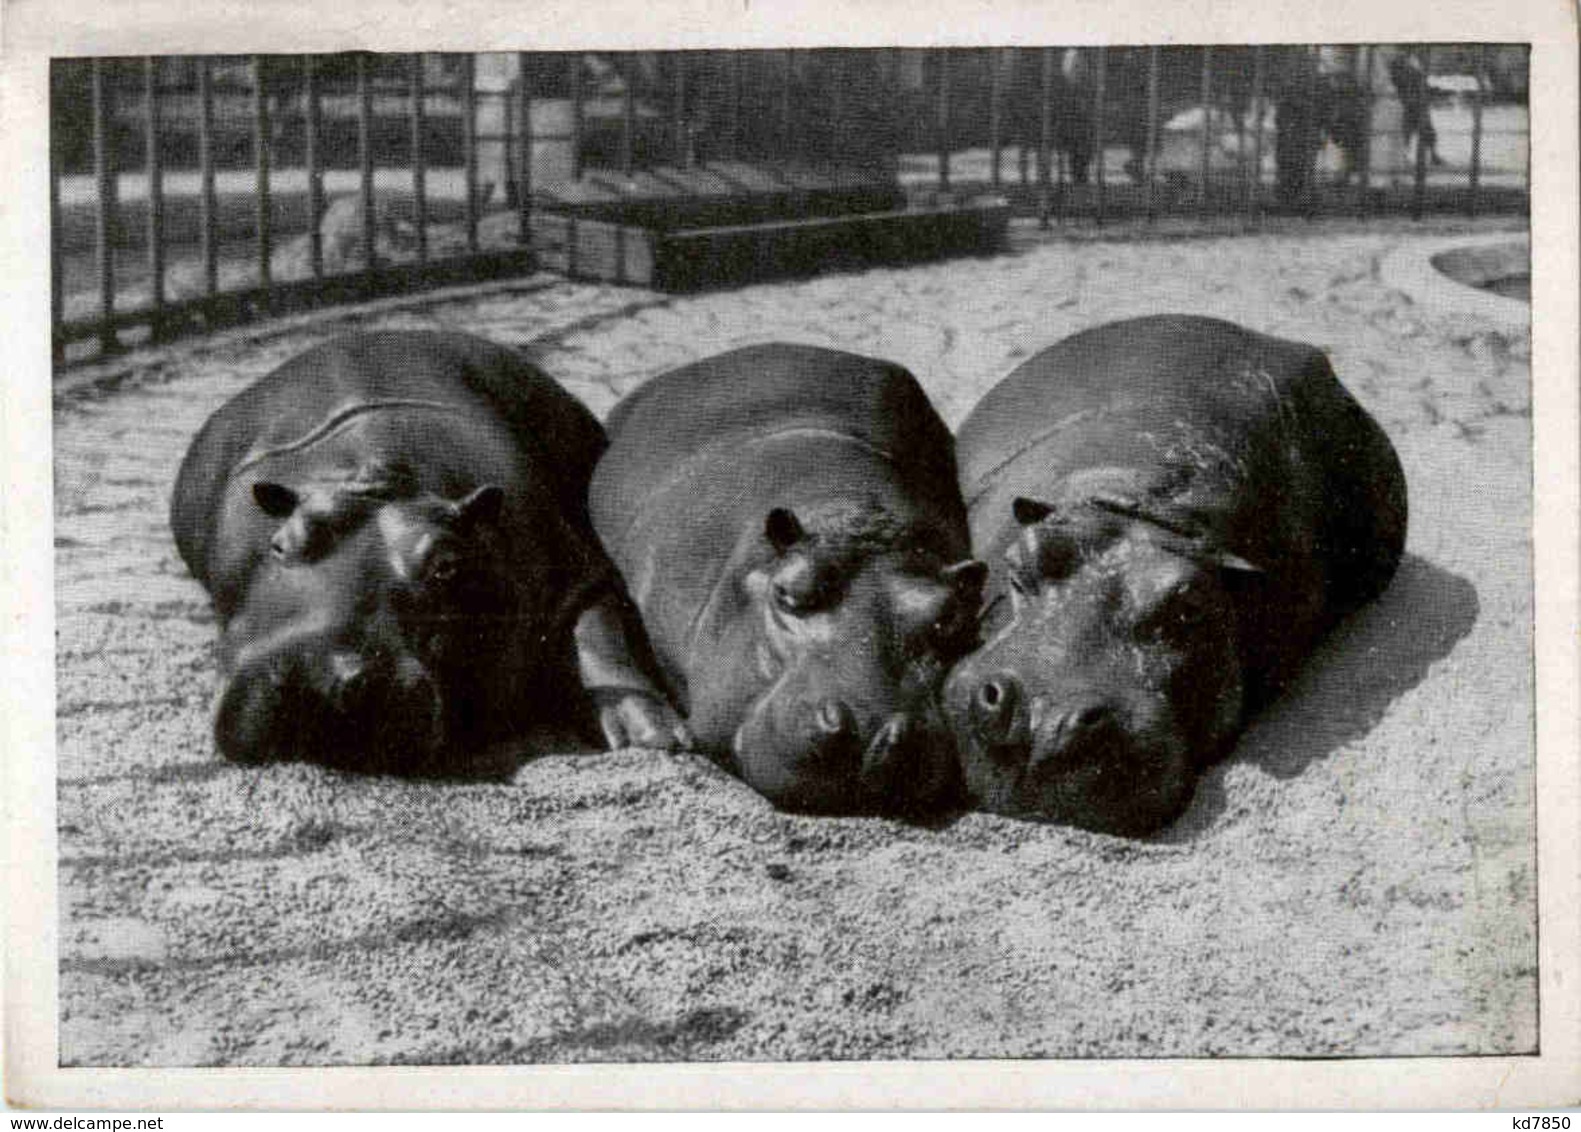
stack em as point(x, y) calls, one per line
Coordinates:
point(1174, 510)
point(393, 530)
point(789, 523)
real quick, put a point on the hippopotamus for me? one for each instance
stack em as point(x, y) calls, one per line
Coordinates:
point(788, 521)
point(393, 530)
point(1174, 510)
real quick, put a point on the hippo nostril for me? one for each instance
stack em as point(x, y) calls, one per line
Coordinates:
point(882, 752)
point(1091, 717)
point(997, 701)
point(410, 675)
point(889, 735)
point(350, 691)
point(348, 680)
point(835, 718)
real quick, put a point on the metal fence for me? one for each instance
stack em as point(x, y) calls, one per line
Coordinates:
point(191, 192)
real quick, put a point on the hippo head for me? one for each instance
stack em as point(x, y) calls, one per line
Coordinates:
point(857, 624)
point(362, 631)
point(1114, 673)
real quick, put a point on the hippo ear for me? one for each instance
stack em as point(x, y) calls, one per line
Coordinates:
point(966, 577)
point(482, 506)
point(1117, 503)
point(783, 529)
point(277, 500)
point(1203, 551)
point(1234, 563)
point(1030, 511)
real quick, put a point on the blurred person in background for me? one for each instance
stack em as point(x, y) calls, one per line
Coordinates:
point(1409, 75)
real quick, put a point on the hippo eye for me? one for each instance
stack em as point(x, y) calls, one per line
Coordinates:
point(799, 603)
point(1024, 581)
point(444, 567)
point(1181, 613)
point(305, 539)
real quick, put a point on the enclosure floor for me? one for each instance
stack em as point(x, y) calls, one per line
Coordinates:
point(1357, 878)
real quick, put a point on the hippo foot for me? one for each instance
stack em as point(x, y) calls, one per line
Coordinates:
point(631, 718)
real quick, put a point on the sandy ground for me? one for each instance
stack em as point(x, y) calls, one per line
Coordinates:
point(1357, 878)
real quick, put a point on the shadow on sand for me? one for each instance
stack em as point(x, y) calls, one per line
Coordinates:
point(1369, 661)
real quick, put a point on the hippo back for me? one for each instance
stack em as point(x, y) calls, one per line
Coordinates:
point(733, 397)
point(1212, 417)
point(448, 372)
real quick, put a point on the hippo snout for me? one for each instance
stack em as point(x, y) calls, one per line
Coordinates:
point(1078, 756)
point(367, 712)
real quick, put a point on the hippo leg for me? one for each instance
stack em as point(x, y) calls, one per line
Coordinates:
point(632, 711)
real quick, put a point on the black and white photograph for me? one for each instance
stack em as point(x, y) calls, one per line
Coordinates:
point(632, 545)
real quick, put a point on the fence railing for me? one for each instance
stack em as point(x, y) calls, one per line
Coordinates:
point(190, 192)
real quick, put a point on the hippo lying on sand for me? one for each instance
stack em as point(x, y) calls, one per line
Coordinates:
point(1174, 510)
point(789, 523)
point(393, 530)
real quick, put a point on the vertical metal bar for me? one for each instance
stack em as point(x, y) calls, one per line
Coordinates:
point(524, 181)
point(889, 76)
point(683, 151)
point(314, 157)
point(507, 132)
point(576, 116)
point(1100, 81)
point(1150, 162)
point(734, 96)
point(575, 60)
point(57, 287)
point(261, 168)
point(837, 100)
point(996, 95)
point(943, 120)
point(1025, 142)
point(1204, 199)
point(786, 133)
point(1365, 62)
point(1419, 185)
point(1254, 185)
point(370, 229)
point(156, 189)
point(628, 116)
point(1046, 139)
point(1474, 185)
point(207, 207)
point(104, 215)
point(469, 144)
point(418, 92)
